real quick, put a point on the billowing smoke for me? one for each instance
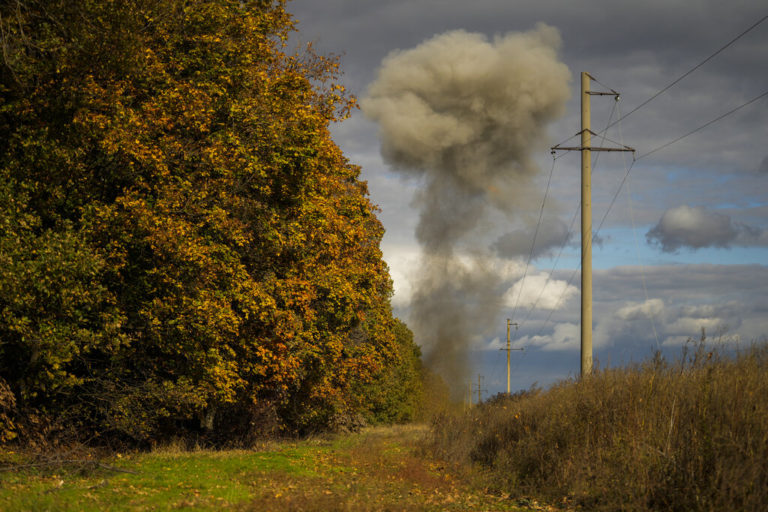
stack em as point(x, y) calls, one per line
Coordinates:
point(464, 114)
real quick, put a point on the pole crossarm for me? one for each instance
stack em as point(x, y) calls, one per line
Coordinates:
point(620, 147)
point(580, 148)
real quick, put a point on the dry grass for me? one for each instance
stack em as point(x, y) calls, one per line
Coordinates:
point(380, 469)
point(690, 435)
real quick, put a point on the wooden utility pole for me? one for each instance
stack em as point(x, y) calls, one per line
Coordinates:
point(508, 349)
point(586, 216)
point(586, 230)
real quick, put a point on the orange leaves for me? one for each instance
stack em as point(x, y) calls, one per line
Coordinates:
point(234, 250)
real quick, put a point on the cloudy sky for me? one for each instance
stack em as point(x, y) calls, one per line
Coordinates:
point(685, 242)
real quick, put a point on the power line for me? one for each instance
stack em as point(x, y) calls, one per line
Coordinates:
point(666, 145)
point(713, 121)
point(637, 245)
point(640, 263)
point(573, 220)
point(551, 311)
point(629, 169)
point(626, 175)
point(697, 66)
point(554, 265)
point(613, 201)
point(535, 235)
point(663, 146)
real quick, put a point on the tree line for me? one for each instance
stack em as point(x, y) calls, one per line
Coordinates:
point(184, 251)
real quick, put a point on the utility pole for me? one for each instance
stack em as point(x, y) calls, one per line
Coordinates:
point(586, 230)
point(480, 388)
point(508, 349)
point(586, 216)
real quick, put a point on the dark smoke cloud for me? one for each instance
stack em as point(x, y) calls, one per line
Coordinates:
point(464, 113)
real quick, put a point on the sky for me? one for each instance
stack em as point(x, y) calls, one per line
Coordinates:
point(683, 240)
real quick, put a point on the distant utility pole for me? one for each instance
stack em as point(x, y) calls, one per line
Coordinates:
point(586, 216)
point(480, 388)
point(508, 349)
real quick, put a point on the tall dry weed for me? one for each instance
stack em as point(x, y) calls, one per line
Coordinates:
point(686, 435)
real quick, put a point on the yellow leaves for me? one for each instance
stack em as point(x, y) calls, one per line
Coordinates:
point(240, 246)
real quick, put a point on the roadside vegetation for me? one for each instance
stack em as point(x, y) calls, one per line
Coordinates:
point(686, 435)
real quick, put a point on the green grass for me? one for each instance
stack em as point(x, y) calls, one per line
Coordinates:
point(377, 469)
point(202, 480)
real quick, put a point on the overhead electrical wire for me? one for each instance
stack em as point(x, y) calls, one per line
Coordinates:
point(631, 166)
point(642, 267)
point(678, 139)
point(568, 234)
point(533, 243)
point(538, 226)
point(629, 169)
point(562, 247)
point(713, 121)
point(637, 244)
point(697, 66)
point(626, 175)
point(674, 141)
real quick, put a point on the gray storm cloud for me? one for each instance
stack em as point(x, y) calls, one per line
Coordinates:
point(551, 235)
point(463, 113)
point(696, 227)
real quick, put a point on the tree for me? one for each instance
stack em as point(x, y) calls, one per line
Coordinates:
point(397, 393)
point(186, 247)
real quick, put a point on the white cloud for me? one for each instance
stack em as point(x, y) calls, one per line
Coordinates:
point(403, 262)
point(692, 326)
point(539, 290)
point(565, 336)
point(648, 309)
point(634, 320)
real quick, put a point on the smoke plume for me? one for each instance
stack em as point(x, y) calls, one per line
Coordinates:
point(464, 113)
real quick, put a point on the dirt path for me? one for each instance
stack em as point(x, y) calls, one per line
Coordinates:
point(379, 469)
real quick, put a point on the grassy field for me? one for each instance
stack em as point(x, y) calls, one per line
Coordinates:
point(377, 469)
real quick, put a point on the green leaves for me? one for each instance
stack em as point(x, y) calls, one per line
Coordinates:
point(181, 235)
point(54, 309)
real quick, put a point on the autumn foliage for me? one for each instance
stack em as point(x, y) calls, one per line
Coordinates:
point(183, 248)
